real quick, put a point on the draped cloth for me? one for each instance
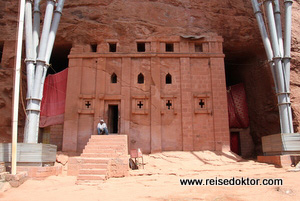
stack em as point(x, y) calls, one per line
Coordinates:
point(237, 107)
point(54, 99)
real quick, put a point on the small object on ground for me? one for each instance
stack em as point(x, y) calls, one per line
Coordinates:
point(296, 169)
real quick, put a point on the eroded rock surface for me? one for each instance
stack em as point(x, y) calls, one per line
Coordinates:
point(91, 21)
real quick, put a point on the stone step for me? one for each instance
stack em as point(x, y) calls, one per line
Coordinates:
point(90, 177)
point(110, 143)
point(89, 182)
point(100, 155)
point(92, 171)
point(109, 136)
point(104, 147)
point(93, 166)
point(106, 140)
point(95, 151)
point(94, 160)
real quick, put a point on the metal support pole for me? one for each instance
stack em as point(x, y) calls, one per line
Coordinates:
point(265, 39)
point(277, 15)
point(52, 35)
point(36, 26)
point(283, 104)
point(29, 47)
point(34, 103)
point(287, 50)
point(30, 66)
point(287, 39)
point(17, 90)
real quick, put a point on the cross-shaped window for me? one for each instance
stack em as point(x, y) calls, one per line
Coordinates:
point(169, 104)
point(140, 104)
point(87, 104)
point(201, 103)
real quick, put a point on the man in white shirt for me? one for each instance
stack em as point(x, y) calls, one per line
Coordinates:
point(102, 128)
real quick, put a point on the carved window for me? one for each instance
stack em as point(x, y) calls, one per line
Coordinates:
point(140, 78)
point(94, 47)
point(168, 78)
point(168, 105)
point(202, 103)
point(113, 78)
point(141, 47)
point(198, 47)
point(140, 105)
point(169, 47)
point(112, 47)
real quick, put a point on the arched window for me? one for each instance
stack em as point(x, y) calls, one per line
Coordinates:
point(113, 78)
point(168, 78)
point(140, 78)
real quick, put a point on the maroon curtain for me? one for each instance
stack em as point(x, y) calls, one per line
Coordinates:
point(54, 99)
point(237, 107)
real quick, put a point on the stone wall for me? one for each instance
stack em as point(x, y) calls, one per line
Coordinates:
point(187, 113)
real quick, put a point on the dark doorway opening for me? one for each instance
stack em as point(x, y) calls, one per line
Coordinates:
point(113, 119)
point(59, 58)
point(235, 142)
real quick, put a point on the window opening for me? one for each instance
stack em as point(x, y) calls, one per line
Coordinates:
point(140, 104)
point(88, 104)
point(112, 47)
point(169, 104)
point(113, 78)
point(168, 79)
point(140, 78)
point(141, 47)
point(202, 103)
point(94, 47)
point(169, 47)
point(198, 47)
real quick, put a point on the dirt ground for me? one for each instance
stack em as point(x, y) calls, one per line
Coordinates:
point(160, 180)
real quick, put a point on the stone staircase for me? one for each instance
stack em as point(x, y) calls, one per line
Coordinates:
point(103, 157)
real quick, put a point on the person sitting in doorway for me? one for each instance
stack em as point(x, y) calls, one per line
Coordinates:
point(102, 128)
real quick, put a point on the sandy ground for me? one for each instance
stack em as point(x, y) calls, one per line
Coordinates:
point(160, 180)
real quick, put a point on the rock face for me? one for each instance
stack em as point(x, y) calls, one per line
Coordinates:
point(92, 21)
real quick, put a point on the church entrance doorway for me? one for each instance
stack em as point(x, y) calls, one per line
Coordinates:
point(113, 119)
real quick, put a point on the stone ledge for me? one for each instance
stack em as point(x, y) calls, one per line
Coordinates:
point(280, 160)
point(40, 173)
point(16, 180)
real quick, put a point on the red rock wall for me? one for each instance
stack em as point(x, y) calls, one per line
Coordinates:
point(92, 21)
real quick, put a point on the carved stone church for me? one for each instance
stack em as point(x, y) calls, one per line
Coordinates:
point(165, 94)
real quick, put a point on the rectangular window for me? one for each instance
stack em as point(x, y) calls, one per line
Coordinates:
point(141, 47)
point(198, 47)
point(169, 47)
point(112, 47)
point(93, 47)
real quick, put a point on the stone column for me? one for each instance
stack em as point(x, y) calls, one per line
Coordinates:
point(220, 109)
point(187, 104)
point(155, 106)
point(71, 108)
point(100, 89)
point(125, 91)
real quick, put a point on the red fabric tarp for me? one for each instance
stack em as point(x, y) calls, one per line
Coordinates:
point(237, 107)
point(54, 99)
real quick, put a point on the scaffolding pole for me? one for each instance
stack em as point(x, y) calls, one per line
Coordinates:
point(17, 90)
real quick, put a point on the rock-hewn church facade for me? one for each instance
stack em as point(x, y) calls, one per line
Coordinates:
point(164, 93)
